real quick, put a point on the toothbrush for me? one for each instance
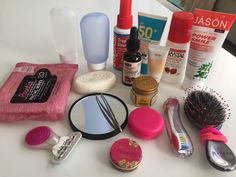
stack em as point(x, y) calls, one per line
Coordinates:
point(179, 138)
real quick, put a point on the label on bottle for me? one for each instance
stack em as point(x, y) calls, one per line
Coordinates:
point(119, 49)
point(35, 88)
point(174, 61)
point(131, 70)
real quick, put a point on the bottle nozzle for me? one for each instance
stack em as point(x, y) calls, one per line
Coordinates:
point(133, 42)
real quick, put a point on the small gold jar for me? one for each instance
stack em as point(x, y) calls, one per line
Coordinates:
point(144, 91)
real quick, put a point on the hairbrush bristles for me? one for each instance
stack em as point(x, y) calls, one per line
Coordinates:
point(205, 107)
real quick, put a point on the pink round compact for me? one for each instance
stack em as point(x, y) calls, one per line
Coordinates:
point(145, 123)
point(126, 154)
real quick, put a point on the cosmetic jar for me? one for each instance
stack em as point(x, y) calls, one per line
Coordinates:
point(145, 123)
point(144, 91)
point(125, 154)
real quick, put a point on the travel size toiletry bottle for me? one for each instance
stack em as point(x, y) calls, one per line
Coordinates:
point(179, 42)
point(132, 58)
point(95, 39)
point(121, 32)
point(64, 26)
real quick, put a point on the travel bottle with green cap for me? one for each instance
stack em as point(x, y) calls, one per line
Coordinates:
point(132, 58)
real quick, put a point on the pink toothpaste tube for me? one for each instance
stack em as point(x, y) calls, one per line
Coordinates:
point(209, 32)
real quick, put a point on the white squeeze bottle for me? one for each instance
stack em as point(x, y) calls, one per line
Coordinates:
point(179, 42)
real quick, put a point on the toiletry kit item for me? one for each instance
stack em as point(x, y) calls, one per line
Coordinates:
point(95, 39)
point(98, 116)
point(125, 154)
point(207, 110)
point(121, 32)
point(151, 28)
point(64, 25)
point(36, 91)
point(156, 60)
point(132, 58)
point(179, 41)
point(144, 91)
point(94, 82)
point(44, 138)
point(209, 32)
point(178, 136)
point(145, 123)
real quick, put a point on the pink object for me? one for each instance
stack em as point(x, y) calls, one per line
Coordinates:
point(38, 135)
point(145, 123)
point(36, 91)
point(126, 154)
point(212, 134)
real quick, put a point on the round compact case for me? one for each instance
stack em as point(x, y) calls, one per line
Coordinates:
point(125, 154)
point(145, 123)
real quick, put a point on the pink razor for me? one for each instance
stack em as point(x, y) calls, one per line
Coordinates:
point(44, 138)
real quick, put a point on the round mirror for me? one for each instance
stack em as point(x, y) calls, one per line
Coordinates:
point(98, 116)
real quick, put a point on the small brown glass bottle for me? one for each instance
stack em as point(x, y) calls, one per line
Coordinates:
point(131, 59)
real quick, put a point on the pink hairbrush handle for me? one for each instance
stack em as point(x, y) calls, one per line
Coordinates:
point(212, 134)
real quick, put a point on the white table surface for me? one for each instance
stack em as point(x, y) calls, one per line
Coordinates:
point(25, 35)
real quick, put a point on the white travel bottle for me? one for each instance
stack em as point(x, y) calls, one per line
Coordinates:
point(64, 25)
point(178, 41)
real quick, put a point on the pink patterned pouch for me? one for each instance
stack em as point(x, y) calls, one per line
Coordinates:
point(36, 91)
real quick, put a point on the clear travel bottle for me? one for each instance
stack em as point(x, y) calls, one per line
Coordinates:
point(64, 26)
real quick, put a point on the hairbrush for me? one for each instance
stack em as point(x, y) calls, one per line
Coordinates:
point(178, 136)
point(44, 138)
point(207, 110)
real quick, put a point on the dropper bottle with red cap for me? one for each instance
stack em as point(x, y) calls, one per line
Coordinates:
point(121, 32)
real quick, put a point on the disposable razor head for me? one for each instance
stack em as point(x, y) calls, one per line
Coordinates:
point(64, 147)
point(44, 138)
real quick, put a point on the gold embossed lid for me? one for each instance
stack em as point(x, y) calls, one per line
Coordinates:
point(126, 154)
point(145, 85)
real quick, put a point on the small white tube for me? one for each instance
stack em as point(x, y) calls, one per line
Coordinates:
point(156, 60)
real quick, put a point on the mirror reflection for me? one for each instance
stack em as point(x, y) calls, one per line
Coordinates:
point(90, 118)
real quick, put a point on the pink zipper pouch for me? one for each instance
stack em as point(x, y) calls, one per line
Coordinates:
point(36, 91)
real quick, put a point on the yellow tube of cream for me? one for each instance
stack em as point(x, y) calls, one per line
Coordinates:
point(156, 60)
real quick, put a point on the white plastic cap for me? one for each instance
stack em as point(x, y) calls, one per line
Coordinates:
point(95, 67)
point(68, 59)
point(187, 83)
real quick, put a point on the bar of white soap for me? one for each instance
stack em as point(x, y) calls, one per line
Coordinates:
point(96, 81)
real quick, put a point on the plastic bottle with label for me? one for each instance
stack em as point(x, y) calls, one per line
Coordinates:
point(179, 42)
point(132, 59)
point(121, 32)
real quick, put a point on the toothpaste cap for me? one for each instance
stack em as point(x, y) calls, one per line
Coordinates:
point(181, 27)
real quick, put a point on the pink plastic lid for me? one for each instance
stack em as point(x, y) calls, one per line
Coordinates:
point(38, 135)
point(145, 123)
point(126, 154)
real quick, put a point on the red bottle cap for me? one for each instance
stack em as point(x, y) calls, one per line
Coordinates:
point(125, 19)
point(181, 27)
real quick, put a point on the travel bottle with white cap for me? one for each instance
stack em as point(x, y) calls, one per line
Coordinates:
point(179, 41)
point(64, 25)
point(95, 38)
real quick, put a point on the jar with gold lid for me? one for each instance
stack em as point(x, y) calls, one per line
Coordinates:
point(144, 91)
